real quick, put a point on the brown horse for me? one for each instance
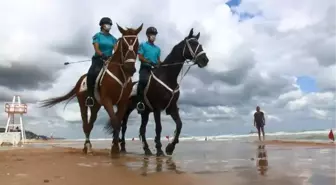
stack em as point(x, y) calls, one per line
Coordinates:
point(113, 87)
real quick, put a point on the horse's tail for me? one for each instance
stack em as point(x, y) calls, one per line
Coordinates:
point(69, 96)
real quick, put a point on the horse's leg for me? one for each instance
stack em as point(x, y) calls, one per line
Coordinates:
point(124, 110)
point(158, 129)
point(130, 108)
point(86, 127)
point(93, 117)
point(124, 128)
point(144, 121)
point(176, 117)
point(108, 105)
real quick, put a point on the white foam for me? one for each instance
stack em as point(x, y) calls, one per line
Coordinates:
point(229, 137)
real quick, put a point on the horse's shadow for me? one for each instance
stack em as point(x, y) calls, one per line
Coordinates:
point(162, 164)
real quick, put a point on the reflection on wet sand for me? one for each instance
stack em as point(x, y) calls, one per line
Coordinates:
point(262, 162)
point(155, 164)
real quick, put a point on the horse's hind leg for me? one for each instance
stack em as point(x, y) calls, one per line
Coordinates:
point(176, 117)
point(86, 127)
point(158, 129)
point(144, 121)
point(93, 117)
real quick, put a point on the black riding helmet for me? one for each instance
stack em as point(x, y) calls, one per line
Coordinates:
point(105, 20)
point(151, 30)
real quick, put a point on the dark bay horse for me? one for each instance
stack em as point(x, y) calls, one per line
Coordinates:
point(162, 92)
point(113, 87)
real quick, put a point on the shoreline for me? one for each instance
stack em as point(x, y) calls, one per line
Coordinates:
point(297, 143)
point(268, 142)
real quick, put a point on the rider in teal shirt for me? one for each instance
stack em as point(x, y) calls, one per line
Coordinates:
point(106, 42)
point(150, 52)
point(103, 43)
point(149, 55)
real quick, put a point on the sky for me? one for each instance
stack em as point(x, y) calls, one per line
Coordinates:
point(277, 54)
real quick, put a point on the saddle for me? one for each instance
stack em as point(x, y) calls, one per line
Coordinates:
point(83, 86)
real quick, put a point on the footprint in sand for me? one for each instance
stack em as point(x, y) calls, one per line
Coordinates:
point(21, 175)
point(84, 165)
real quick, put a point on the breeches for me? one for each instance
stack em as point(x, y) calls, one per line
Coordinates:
point(93, 72)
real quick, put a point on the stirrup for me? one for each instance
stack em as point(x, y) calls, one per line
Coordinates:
point(89, 101)
point(140, 107)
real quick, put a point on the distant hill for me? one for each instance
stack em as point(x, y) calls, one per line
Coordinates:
point(31, 135)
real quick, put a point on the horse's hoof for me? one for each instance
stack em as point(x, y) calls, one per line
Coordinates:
point(115, 151)
point(89, 152)
point(85, 150)
point(160, 153)
point(170, 149)
point(114, 155)
point(123, 151)
point(148, 152)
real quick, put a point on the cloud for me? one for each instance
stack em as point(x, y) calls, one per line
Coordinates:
point(254, 61)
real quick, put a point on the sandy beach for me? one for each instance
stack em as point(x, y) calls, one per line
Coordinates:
point(194, 163)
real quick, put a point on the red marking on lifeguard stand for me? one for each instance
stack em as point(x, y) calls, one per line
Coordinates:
point(16, 108)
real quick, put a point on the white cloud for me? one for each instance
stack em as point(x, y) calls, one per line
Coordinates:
point(254, 62)
point(320, 114)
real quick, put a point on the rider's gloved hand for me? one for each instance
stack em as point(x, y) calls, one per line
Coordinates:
point(155, 65)
point(104, 57)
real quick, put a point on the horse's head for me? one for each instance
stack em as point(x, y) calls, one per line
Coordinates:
point(193, 50)
point(128, 46)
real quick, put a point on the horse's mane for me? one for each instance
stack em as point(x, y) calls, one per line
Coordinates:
point(173, 53)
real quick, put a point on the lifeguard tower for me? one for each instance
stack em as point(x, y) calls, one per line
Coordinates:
point(14, 132)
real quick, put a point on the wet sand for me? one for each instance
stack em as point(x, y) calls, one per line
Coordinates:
point(193, 163)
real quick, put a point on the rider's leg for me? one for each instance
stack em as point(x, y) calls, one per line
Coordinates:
point(144, 74)
point(93, 72)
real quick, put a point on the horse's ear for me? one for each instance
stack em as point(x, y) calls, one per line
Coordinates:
point(191, 33)
point(198, 35)
point(122, 31)
point(137, 31)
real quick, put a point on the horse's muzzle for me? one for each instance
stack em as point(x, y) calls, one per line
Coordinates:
point(202, 61)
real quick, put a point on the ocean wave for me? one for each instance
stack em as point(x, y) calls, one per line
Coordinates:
point(315, 135)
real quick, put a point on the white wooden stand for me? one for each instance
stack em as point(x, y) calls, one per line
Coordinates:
point(15, 132)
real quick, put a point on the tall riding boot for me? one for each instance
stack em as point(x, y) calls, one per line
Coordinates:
point(90, 89)
point(140, 105)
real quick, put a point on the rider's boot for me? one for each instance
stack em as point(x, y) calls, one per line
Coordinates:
point(140, 105)
point(90, 87)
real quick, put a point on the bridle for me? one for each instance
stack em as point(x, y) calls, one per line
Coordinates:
point(130, 49)
point(194, 56)
point(193, 53)
point(126, 79)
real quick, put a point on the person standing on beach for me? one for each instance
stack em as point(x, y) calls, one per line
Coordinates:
point(259, 122)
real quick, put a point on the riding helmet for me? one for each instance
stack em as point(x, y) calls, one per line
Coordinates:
point(105, 20)
point(151, 30)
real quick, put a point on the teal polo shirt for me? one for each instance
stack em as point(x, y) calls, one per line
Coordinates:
point(105, 41)
point(150, 52)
